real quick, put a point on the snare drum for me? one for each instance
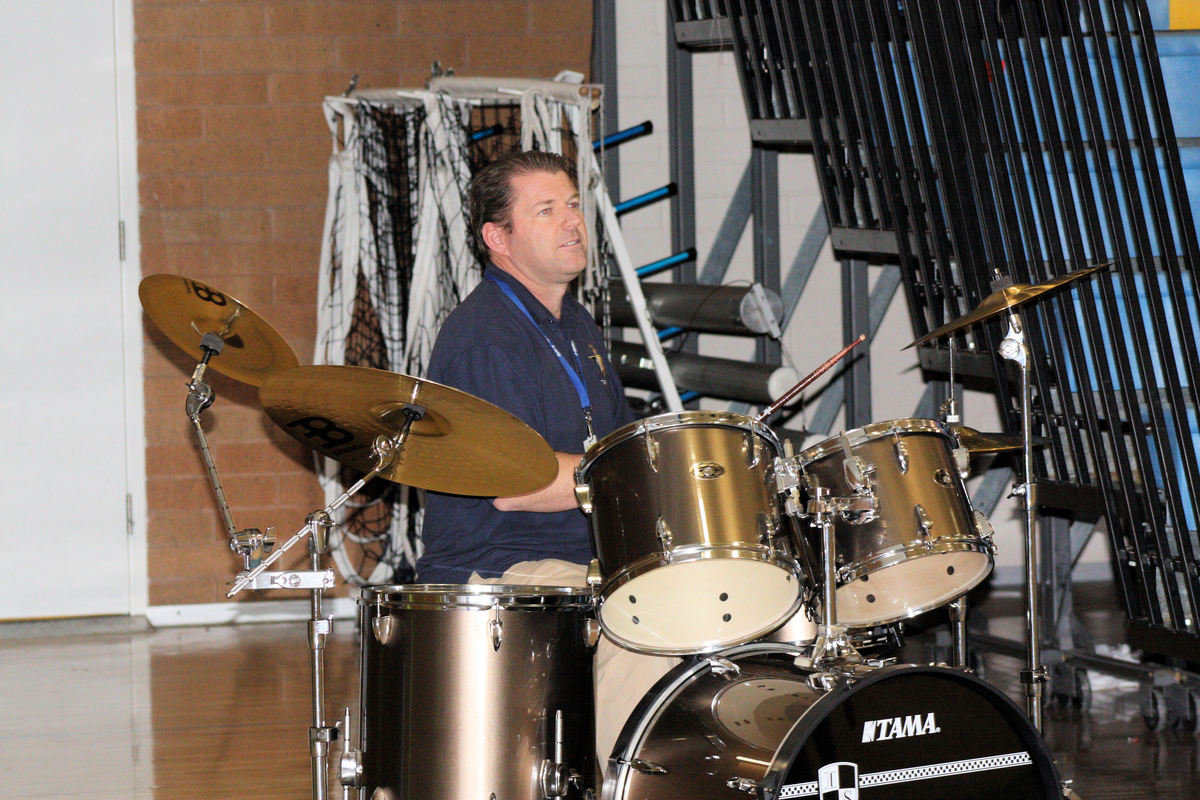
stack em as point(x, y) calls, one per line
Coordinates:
point(687, 533)
point(466, 690)
point(923, 545)
point(751, 723)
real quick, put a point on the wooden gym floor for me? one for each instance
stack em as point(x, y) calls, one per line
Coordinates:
point(214, 713)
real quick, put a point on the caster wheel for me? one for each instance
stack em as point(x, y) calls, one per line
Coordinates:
point(1154, 710)
point(1082, 698)
point(1191, 723)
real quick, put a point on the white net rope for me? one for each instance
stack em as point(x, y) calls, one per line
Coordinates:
point(396, 257)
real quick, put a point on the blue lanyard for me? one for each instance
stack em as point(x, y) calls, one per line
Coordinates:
point(574, 374)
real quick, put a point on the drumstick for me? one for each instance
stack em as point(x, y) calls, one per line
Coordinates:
point(812, 376)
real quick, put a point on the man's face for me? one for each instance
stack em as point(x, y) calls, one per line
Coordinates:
point(547, 240)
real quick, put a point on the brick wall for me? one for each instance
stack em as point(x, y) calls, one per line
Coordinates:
point(232, 151)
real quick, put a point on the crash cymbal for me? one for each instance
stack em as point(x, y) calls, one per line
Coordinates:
point(1002, 299)
point(978, 442)
point(185, 310)
point(463, 445)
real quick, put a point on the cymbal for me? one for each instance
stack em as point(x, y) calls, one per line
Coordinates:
point(978, 442)
point(185, 310)
point(1002, 299)
point(462, 445)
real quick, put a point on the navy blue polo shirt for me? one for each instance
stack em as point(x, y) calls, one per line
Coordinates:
point(488, 348)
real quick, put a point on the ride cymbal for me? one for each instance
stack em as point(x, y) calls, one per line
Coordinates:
point(462, 445)
point(1002, 299)
point(185, 310)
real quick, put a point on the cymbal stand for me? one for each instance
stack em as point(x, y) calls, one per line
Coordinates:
point(1015, 348)
point(949, 416)
point(250, 543)
point(385, 449)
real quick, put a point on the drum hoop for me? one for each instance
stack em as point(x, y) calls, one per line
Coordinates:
point(815, 714)
point(868, 433)
point(482, 596)
point(673, 420)
point(698, 552)
point(908, 551)
point(665, 690)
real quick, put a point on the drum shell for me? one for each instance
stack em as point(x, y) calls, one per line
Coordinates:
point(717, 733)
point(652, 473)
point(915, 479)
point(448, 713)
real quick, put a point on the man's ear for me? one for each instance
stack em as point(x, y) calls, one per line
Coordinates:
point(494, 238)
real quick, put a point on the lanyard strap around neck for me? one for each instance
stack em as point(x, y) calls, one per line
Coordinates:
point(574, 374)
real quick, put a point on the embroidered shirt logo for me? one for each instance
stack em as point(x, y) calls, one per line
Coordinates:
point(880, 730)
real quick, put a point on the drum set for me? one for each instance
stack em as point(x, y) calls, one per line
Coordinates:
point(713, 540)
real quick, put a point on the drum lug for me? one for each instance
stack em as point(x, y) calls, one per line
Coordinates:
point(591, 632)
point(663, 531)
point(384, 629)
point(962, 461)
point(583, 496)
point(651, 451)
point(496, 628)
point(723, 667)
point(767, 531)
point(901, 450)
point(643, 766)
point(747, 785)
point(983, 526)
point(752, 447)
point(923, 520)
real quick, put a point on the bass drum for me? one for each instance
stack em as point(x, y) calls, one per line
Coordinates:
point(750, 721)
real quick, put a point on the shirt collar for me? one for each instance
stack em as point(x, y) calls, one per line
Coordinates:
point(535, 307)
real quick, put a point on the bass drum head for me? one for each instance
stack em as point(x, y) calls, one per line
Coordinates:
point(925, 733)
point(750, 721)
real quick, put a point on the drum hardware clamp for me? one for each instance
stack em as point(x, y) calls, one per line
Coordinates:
point(832, 647)
point(350, 765)
point(557, 778)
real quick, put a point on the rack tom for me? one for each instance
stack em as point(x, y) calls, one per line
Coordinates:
point(923, 545)
point(687, 533)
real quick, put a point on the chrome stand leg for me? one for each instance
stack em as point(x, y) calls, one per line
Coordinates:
point(958, 631)
point(1033, 677)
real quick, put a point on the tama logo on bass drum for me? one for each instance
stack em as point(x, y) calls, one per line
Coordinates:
point(879, 730)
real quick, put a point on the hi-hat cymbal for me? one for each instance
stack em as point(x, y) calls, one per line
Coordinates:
point(979, 442)
point(185, 310)
point(462, 445)
point(1002, 299)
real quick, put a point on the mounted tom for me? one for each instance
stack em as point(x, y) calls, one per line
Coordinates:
point(921, 545)
point(688, 538)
